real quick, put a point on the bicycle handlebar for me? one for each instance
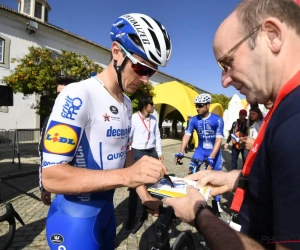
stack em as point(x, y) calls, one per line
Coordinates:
point(10, 216)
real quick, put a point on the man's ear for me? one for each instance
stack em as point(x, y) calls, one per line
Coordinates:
point(275, 34)
point(116, 51)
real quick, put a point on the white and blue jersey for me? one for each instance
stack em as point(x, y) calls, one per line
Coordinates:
point(208, 129)
point(90, 129)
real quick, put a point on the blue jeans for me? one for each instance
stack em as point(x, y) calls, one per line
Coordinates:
point(234, 156)
point(133, 196)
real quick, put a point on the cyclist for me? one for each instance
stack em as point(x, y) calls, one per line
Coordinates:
point(87, 140)
point(209, 128)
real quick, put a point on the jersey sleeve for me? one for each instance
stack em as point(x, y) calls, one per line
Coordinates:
point(285, 179)
point(220, 127)
point(66, 124)
point(189, 130)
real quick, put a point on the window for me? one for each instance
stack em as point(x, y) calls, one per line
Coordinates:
point(4, 51)
point(1, 50)
point(27, 6)
point(46, 15)
point(38, 10)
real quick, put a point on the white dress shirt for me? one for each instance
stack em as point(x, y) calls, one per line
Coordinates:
point(143, 137)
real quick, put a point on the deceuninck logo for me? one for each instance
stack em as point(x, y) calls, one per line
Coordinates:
point(61, 138)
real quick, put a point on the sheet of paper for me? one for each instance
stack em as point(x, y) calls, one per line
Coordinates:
point(162, 188)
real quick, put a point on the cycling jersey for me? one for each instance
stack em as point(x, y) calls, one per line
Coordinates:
point(208, 129)
point(89, 129)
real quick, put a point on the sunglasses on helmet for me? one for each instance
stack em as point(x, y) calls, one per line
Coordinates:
point(138, 67)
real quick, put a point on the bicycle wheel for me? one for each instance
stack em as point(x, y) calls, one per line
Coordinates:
point(184, 241)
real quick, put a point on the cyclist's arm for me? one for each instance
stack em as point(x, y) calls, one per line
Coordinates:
point(218, 235)
point(185, 140)
point(219, 136)
point(188, 133)
point(216, 148)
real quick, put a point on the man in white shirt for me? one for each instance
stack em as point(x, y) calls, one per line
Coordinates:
point(145, 140)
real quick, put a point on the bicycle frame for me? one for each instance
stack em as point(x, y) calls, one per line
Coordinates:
point(183, 241)
point(10, 216)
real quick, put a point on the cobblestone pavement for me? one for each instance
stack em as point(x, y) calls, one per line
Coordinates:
point(24, 194)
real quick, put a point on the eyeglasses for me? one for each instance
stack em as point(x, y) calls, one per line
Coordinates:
point(223, 66)
point(200, 105)
point(139, 68)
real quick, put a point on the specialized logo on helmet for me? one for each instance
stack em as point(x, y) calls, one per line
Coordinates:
point(61, 139)
point(138, 28)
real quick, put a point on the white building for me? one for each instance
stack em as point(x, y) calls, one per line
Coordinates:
point(29, 27)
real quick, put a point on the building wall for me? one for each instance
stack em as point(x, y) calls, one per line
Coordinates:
point(13, 26)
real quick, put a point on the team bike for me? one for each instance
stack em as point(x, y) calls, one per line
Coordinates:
point(10, 216)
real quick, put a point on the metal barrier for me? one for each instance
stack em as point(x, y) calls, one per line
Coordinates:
point(18, 141)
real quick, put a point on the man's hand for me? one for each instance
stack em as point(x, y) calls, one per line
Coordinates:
point(246, 142)
point(153, 205)
point(46, 197)
point(226, 146)
point(161, 158)
point(146, 170)
point(219, 182)
point(178, 157)
point(186, 207)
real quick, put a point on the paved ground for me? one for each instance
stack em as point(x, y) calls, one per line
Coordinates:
point(24, 194)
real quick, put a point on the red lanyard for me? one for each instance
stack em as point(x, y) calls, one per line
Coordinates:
point(148, 129)
point(285, 90)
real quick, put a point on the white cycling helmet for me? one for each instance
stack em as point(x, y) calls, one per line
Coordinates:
point(144, 36)
point(203, 98)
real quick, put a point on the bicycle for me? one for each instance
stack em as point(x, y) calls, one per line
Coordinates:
point(10, 216)
point(184, 241)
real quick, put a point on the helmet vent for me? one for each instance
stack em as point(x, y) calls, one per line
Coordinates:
point(154, 58)
point(147, 22)
point(157, 46)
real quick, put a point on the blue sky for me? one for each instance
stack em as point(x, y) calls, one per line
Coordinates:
point(190, 23)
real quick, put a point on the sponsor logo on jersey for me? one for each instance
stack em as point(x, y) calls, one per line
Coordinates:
point(71, 107)
point(48, 163)
point(114, 110)
point(118, 133)
point(61, 138)
point(106, 117)
point(80, 160)
point(57, 238)
point(118, 155)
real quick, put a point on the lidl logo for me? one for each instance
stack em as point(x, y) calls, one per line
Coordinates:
point(61, 139)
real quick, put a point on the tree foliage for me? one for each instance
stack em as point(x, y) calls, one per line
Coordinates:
point(222, 99)
point(37, 71)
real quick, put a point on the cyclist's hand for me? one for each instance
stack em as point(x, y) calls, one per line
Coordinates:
point(153, 205)
point(211, 163)
point(145, 171)
point(220, 182)
point(178, 157)
point(185, 207)
point(46, 197)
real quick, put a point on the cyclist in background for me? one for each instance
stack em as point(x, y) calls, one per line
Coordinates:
point(209, 128)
